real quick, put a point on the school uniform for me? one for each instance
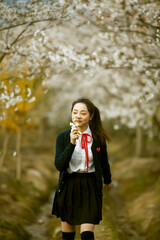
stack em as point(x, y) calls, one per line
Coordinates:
point(78, 197)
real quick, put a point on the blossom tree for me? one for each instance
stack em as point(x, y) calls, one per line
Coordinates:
point(120, 40)
point(108, 46)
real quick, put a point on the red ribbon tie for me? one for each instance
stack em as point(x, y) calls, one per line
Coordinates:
point(84, 145)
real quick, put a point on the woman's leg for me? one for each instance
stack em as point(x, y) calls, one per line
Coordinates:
point(87, 231)
point(66, 227)
point(68, 231)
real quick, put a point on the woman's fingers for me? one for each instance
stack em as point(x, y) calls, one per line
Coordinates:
point(74, 130)
point(107, 187)
point(74, 135)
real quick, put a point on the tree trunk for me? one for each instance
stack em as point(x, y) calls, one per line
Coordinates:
point(140, 141)
point(40, 134)
point(5, 146)
point(18, 150)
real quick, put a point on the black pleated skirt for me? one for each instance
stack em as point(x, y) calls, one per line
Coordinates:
point(78, 201)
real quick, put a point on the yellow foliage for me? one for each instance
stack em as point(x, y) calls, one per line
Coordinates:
point(29, 92)
point(9, 124)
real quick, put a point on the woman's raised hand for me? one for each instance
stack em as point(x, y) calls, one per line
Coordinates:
point(74, 135)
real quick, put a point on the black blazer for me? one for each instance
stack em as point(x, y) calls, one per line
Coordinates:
point(64, 150)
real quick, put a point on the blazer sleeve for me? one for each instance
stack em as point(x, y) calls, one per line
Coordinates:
point(105, 165)
point(63, 153)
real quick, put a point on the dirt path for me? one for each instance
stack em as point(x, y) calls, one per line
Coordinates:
point(116, 223)
point(137, 180)
point(114, 226)
point(38, 229)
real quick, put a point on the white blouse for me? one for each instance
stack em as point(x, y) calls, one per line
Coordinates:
point(78, 158)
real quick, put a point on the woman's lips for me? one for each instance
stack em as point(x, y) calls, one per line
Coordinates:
point(78, 121)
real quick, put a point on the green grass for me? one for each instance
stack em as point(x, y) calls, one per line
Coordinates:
point(153, 231)
point(134, 187)
point(10, 231)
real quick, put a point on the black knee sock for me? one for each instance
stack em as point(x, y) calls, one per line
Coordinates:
point(68, 235)
point(87, 235)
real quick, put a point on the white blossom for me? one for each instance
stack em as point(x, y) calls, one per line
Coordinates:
point(32, 99)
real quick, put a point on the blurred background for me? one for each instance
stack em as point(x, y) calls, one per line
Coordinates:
point(51, 53)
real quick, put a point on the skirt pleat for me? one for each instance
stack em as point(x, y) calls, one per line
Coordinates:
point(78, 201)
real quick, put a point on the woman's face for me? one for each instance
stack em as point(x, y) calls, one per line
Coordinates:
point(81, 115)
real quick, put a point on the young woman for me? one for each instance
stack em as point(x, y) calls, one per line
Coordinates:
point(81, 157)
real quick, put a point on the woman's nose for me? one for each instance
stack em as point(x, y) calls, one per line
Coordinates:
point(78, 116)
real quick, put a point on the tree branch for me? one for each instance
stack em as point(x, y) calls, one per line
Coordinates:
point(30, 23)
point(148, 24)
point(20, 34)
point(19, 39)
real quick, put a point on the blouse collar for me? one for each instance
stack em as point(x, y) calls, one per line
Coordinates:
point(88, 130)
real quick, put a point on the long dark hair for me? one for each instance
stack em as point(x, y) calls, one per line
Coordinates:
point(95, 123)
